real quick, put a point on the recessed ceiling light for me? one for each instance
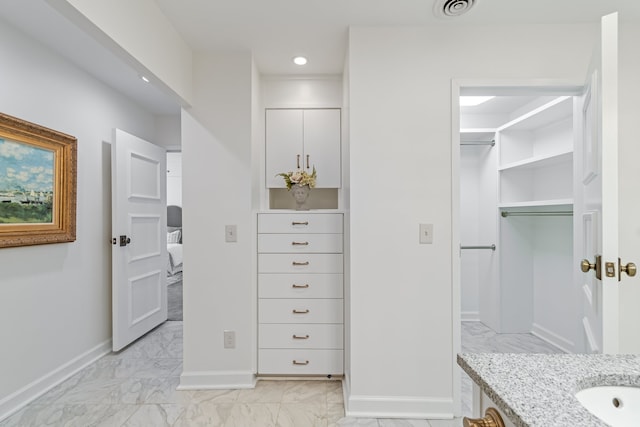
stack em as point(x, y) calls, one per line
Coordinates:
point(144, 79)
point(472, 101)
point(299, 60)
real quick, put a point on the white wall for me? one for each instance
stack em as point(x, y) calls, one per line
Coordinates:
point(140, 34)
point(302, 91)
point(401, 305)
point(219, 277)
point(477, 227)
point(168, 132)
point(55, 300)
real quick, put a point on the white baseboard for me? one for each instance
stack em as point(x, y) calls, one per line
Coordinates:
point(470, 316)
point(553, 338)
point(398, 407)
point(27, 394)
point(201, 380)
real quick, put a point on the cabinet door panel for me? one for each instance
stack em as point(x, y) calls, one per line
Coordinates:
point(301, 336)
point(300, 243)
point(300, 223)
point(300, 362)
point(322, 146)
point(283, 141)
point(300, 311)
point(300, 263)
point(300, 285)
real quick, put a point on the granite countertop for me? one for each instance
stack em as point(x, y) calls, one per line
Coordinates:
point(539, 389)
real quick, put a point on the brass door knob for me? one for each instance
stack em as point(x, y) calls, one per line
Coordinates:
point(630, 268)
point(491, 418)
point(585, 266)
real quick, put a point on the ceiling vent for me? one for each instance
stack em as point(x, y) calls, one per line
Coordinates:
point(452, 8)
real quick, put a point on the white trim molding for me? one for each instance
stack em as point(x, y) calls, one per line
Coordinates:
point(470, 316)
point(411, 407)
point(552, 338)
point(216, 380)
point(27, 394)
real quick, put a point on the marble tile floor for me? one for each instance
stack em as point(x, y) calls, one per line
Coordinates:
point(137, 387)
point(479, 338)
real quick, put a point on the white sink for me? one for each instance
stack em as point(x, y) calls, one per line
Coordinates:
point(617, 406)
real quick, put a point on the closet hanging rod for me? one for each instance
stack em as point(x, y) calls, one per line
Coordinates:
point(550, 213)
point(492, 247)
point(491, 143)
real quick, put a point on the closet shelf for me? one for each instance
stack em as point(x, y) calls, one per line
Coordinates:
point(556, 203)
point(540, 161)
point(477, 134)
point(551, 112)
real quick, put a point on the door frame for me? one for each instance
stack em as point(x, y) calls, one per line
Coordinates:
point(481, 87)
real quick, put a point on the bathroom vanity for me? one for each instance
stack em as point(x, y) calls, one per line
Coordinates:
point(540, 389)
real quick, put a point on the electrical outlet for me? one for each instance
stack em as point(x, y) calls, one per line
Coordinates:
point(426, 233)
point(230, 233)
point(229, 339)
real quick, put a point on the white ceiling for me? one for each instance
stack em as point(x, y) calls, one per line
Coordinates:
point(276, 30)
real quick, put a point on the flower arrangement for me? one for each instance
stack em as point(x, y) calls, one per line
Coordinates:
point(299, 177)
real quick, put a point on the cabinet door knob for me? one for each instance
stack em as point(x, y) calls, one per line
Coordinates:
point(300, 223)
point(298, 160)
point(306, 285)
point(300, 243)
point(300, 311)
point(297, 362)
point(308, 162)
point(492, 418)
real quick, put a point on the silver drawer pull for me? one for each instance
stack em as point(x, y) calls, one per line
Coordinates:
point(300, 311)
point(300, 243)
point(295, 362)
point(299, 337)
point(300, 263)
point(306, 285)
point(300, 223)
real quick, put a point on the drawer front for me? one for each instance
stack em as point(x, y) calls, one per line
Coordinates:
point(299, 223)
point(300, 311)
point(299, 263)
point(300, 243)
point(300, 362)
point(301, 336)
point(300, 285)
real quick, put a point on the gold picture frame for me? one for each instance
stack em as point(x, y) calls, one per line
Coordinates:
point(38, 173)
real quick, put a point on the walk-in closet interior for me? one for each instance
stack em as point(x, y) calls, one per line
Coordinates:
point(517, 224)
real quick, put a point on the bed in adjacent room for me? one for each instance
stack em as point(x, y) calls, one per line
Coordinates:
point(174, 240)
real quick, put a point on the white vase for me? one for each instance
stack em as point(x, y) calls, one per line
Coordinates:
point(300, 194)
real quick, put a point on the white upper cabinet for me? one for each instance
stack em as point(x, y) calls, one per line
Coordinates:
point(303, 139)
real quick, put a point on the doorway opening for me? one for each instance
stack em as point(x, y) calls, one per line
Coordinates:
point(174, 237)
point(515, 167)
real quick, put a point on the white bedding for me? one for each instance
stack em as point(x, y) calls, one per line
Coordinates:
point(175, 258)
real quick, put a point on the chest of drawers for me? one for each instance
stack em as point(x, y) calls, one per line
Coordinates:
point(300, 294)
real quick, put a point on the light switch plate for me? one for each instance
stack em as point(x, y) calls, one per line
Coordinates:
point(229, 339)
point(230, 233)
point(426, 233)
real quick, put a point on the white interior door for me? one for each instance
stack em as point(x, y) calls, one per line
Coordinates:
point(596, 204)
point(139, 218)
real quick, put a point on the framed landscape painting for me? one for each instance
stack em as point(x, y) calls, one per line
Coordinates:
point(38, 168)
